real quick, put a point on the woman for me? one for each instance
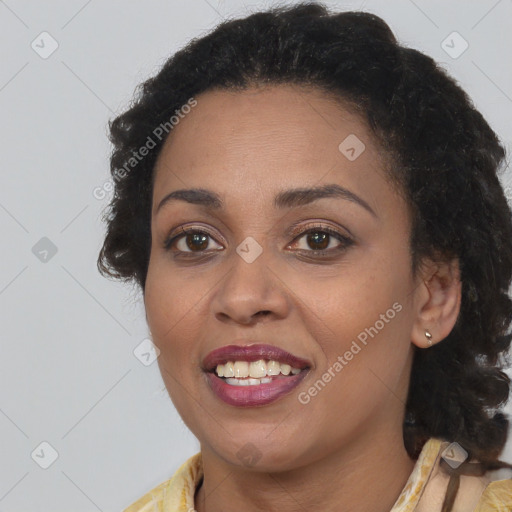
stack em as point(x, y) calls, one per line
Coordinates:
point(314, 216)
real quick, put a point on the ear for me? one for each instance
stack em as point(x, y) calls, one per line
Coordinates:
point(437, 301)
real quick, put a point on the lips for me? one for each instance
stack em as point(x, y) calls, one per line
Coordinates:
point(253, 395)
point(251, 353)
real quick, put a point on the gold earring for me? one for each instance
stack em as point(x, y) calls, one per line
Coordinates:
point(429, 338)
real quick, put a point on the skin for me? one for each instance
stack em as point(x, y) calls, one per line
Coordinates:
point(246, 147)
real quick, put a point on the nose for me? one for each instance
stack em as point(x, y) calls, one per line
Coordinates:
point(250, 293)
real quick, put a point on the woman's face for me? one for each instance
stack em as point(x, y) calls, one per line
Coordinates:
point(297, 241)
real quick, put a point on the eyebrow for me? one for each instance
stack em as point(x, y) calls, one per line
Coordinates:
point(286, 199)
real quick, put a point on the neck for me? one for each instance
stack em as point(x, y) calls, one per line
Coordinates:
point(366, 477)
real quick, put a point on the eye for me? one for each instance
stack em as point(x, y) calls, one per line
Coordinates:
point(318, 240)
point(321, 240)
point(192, 241)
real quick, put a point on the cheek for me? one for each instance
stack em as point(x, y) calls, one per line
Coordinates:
point(170, 308)
point(361, 314)
point(348, 303)
point(168, 301)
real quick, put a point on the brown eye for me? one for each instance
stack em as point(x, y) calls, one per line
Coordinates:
point(318, 240)
point(197, 241)
point(192, 241)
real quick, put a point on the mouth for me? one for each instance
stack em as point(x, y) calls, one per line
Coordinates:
point(253, 375)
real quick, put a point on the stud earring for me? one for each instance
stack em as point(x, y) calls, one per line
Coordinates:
point(429, 338)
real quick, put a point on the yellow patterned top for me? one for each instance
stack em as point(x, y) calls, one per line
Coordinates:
point(424, 491)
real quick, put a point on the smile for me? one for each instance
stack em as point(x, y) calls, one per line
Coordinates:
point(253, 375)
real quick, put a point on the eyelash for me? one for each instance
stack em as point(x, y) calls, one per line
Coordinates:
point(345, 241)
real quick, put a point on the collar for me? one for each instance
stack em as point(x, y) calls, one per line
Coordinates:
point(423, 491)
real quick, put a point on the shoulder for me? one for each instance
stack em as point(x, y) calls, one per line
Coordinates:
point(152, 501)
point(477, 492)
point(496, 497)
point(175, 494)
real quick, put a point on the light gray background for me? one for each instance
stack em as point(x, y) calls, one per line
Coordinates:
point(69, 375)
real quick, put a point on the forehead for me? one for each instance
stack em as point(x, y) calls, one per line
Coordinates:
point(265, 139)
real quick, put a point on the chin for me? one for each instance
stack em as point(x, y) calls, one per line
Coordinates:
point(260, 455)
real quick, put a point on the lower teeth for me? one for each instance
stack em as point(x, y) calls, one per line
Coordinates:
point(248, 382)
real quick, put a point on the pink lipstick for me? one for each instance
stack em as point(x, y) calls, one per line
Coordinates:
point(253, 375)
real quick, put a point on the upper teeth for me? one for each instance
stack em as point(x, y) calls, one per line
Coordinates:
point(255, 369)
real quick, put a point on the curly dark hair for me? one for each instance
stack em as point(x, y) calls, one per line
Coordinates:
point(445, 160)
